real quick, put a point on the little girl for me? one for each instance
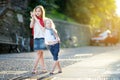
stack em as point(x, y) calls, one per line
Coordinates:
point(52, 41)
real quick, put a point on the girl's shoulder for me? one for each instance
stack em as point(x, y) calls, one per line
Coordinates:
point(45, 18)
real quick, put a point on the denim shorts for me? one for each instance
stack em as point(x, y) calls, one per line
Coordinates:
point(54, 49)
point(39, 44)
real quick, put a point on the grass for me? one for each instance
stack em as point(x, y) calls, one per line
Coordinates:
point(56, 15)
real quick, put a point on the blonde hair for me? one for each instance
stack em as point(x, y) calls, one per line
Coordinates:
point(42, 11)
point(52, 24)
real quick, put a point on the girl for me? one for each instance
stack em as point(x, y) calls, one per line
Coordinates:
point(37, 24)
point(52, 40)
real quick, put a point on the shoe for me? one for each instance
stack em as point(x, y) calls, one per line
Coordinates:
point(59, 71)
point(34, 71)
point(51, 73)
point(44, 71)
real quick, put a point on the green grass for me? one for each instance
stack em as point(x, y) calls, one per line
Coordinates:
point(55, 15)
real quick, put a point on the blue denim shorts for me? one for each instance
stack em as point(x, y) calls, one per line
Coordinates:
point(39, 44)
point(54, 49)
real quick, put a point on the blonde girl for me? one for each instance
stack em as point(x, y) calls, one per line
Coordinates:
point(37, 24)
point(52, 40)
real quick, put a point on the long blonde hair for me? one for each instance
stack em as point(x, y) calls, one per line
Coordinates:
point(42, 11)
point(52, 24)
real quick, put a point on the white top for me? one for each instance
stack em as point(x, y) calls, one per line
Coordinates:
point(38, 30)
point(50, 37)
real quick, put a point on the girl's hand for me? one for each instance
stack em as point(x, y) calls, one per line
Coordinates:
point(32, 14)
point(58, 39)
point(32, 19)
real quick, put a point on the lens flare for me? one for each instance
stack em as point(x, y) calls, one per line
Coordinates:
point(118, 7)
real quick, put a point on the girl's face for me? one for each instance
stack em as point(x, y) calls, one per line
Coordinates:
point(38, 12)
point(48, 24)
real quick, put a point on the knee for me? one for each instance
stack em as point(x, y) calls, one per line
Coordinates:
point(40, 54)
point(55, 58)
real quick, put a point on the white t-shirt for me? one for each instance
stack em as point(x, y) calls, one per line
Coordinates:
point(49, 36)
point(38, 30)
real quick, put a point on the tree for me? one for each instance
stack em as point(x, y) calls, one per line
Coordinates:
point(93, 12)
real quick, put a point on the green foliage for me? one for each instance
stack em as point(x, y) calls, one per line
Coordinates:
point(56, 15)
point(51, 7)
point(97, 13)
point(93, 12)
point(61, 5)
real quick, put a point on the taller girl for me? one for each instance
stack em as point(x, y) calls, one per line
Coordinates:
point(37, 24)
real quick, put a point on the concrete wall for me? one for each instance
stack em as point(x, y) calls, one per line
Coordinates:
point(72, 34)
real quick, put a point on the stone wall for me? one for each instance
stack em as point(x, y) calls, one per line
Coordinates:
point(12, 23)
point(73, 34)
point(11, 30)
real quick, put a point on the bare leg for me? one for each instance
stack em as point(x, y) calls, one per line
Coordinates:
point(54, 66)
point(59, 67)
point(36, 62)
point(42, 61)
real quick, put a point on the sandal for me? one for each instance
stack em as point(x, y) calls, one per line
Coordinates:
point(34, 71)
point(44, 71)
point(59, 71)
point(51, 73)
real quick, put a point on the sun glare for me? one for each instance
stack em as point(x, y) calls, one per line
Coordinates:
point(118, 7)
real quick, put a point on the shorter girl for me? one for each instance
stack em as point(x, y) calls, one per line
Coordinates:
point(52, 41)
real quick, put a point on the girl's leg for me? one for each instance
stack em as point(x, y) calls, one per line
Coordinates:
point(42, 61)
point(54, 51)
point(56, 63)
point(36, 63)
point(59, 67)
point(54, 66)
point(55, 56)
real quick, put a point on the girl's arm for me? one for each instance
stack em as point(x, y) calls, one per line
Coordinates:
point(56, 35)
point(32, 23)
point(32, 20)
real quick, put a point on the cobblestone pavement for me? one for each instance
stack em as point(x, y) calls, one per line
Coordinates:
point(18, 64)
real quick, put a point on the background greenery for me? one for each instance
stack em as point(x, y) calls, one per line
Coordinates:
point(96, 13)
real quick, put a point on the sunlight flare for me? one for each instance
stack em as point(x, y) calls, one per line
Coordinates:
point(118, 7)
